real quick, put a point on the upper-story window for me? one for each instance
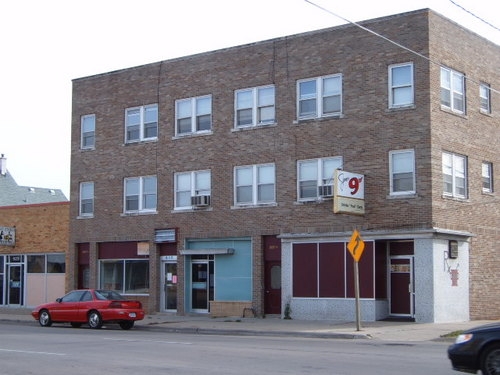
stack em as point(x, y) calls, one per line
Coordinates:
point(88, 131)
point(452, 90)
point(254, 184)
point(254, 106)
point(454, 175)
point(402, 172)
point(141, 123)
point(86, 199)
point(140, 194)
point(484, 98)
point(487, 176)
point(319, 97)
point(192, 189)
point(315, 177)
point(193, 115)
point(401, 85)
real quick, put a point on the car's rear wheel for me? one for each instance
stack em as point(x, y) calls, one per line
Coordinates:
point(95, 320)
point(490, 360)
point(126, 324)
point(44, 318)
point(76, 325)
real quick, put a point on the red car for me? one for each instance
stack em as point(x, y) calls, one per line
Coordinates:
point(91, 306)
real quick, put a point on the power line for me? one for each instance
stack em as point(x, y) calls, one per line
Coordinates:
point(472, 14)
point(393, 42)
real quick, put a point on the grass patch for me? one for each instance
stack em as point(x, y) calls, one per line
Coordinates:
point(452, 335)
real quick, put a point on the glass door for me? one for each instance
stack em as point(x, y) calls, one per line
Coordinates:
point(170, 286)
point(15, 286)
point(202, 284)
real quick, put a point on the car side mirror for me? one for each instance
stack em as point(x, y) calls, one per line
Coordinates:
point(59, 300)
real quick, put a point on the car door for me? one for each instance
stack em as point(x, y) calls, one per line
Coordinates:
point(66, 310)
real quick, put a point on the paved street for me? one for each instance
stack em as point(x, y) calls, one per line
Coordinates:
point(26, 348)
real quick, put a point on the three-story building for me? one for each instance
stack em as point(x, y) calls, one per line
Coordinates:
point(219, 182)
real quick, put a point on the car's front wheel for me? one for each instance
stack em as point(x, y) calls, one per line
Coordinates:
point(490, 360)
point(44, 318)
point(95, 320)
point(126, 324)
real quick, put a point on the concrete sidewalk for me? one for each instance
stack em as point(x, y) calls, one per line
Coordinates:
point(275, 326)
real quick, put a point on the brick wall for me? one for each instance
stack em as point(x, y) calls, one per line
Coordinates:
point(363, 136)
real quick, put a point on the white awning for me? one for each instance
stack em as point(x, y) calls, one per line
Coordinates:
point(207, 251)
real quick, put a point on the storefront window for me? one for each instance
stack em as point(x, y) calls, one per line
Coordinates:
point(125, 276)
point(36, 263)
point(56, 263)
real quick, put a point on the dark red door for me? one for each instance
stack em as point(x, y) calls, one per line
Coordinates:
point(272, 275)
point(401, 287)
point(272, 297)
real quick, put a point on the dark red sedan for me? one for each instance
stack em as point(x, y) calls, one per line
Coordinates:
point(92, 306)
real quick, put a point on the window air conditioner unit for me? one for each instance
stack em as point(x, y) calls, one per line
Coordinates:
point(325, 191)
point(200, 200)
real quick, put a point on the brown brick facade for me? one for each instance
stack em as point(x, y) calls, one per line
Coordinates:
point(363, 135)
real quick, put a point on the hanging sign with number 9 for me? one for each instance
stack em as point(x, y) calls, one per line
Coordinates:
point(350, 185)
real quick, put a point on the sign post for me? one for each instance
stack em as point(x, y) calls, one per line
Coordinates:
point(356, 247)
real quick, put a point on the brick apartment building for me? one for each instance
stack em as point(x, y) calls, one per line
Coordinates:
point(34, 235)
point(206, 183)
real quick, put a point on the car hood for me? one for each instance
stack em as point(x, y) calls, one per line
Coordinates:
point(484, 328)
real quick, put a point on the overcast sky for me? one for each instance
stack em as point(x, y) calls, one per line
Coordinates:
point(47, 43)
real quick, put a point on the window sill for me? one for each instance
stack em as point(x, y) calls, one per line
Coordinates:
point(254, 127)
point(192, 135)
point(401, 108)
point(138, 213)
point(83, 217)
point(313, 201)
point(452, 112)
point(259, 205)
point(402, 196)
point(191, 209)
point(456, 199)
point(318, 119)
point(141, 141)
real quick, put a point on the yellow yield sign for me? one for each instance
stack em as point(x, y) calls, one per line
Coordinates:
point(356, 245)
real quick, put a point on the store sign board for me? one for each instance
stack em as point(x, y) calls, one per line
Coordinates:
point(348, 193)
point(7, 236)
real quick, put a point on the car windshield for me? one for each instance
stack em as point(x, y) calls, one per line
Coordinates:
point(108, 294)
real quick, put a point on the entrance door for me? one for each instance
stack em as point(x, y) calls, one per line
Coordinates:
point(402, 293)
point(170, 286)
point(272, 298)
point(15, 287)
point(202, 286)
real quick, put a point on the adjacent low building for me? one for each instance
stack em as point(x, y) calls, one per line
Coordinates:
point(34, 234)
point(231, 182)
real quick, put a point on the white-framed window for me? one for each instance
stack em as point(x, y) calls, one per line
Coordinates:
point(86, 199)
point(254, 184)
point(126, 276)
point(315, 177)
point(140, 194)
point(401, 91)
point(319, 97)
point(192, 189)
point(88, 132)
point(484, 98)
point(254, 106)
point(487, 177)
point(193, 115)
point(402, 172)
point(454, 175)
point(141, 123)
point(452, 90)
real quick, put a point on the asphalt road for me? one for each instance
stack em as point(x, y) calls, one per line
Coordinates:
point(30, 349)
